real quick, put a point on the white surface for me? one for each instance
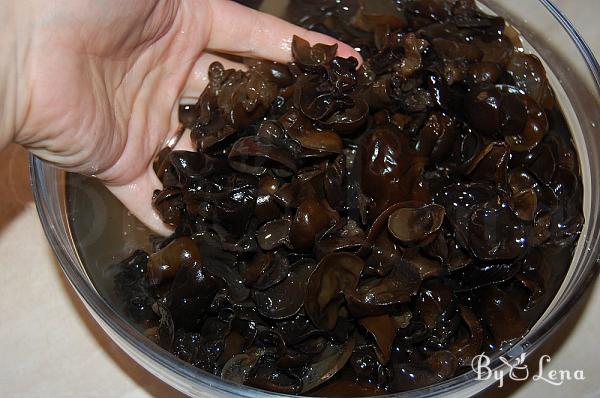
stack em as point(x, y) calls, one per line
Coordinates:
point(51, 347)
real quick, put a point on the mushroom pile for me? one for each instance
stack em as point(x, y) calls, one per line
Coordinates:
point(361, 230)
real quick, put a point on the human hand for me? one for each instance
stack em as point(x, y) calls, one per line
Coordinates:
point(99, 82)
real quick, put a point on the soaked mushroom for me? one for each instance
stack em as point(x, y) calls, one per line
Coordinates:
point(312, 57)
point(239, 368)
point(327, 364)
point(169, 205)
point(254, 154)
point(312, 218)
point(165, 263)
point(502, 315)
point(529, 74)
point(495, 233)
point(374, 14)
point(378, 295)
point(477, 276)
point(274, 233)
point(286, 298)
point(416, 224)
point(334, 276)
point(265, 270)
point(349, 228)
point(268, 377)
point(384, 331)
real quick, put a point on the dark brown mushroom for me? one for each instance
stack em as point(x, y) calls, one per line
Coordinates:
point(269, 377)
point(490, 165)
point(529, 75)
point(524, 204)
point(286, 298)
point(328, 363)
point(373, 14)
point(437, 137)
point(346, 235)
point(468, 345)
point(169, 205)
point(239, 368)
point(376, 296)
point(336, 275)
point(312, 218)
point(480, 275)
point(411, 225)
point(428, 268)
point(255, 154)
point(387, 174)
point(495, 233)
point(265, 270)
point(266, 208)
point(312, 57)
point(274, 233)
point(384, 332)
point(502, 315)
point(164, 264)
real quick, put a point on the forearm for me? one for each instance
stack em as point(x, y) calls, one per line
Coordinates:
point(14, 40)
point(8, 73)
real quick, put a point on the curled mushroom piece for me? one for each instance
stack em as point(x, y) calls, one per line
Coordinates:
point(165, 263)
point(477, 276)
point(529, 75)
point(495, 233)
point(387, 174)
point(334, 276)
point(254, 154)
point(436, 137)
point(502, 315)
point(169, 205)
point(334, 182)
point(274, 233)
point(384, 331)
point(344, 236)
point(269, 377)
point(427, 267)
point(468, 345)
point(329, 362)
point(239, 368)
point(378, 295)
point(164, 333)
point(312, 218)
point(374, 14)
point(131, 285)
point(312, 57)
point(411, 225)
point(536, 122)
point(190, 295)
point(302, 130)
point(524, 204)
point(286, 298)
point(491, 164)
point(265, 270)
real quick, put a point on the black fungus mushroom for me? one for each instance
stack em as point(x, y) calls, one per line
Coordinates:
point(334, 276)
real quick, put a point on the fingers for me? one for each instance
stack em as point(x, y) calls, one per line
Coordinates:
point(243, 31)
point(137, 197)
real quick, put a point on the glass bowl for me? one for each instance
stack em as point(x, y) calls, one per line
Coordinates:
point(88, 229)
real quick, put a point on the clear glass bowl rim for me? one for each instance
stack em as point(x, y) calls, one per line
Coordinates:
point(151, 353)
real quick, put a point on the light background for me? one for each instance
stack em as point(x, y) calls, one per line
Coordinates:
point(51, 347)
